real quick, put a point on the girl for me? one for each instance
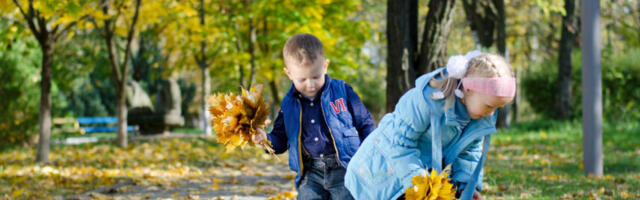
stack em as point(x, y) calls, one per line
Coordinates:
point(446, 119)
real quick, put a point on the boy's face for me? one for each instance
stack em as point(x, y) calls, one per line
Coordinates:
point(308, 80)
point(480, 105)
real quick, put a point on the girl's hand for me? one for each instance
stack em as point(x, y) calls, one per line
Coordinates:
point(260, 137)
point(476, 196)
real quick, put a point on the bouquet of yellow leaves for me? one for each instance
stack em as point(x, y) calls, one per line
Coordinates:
point(236, 118)
point(431, 187)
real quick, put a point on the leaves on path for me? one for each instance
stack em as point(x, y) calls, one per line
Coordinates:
point(155, 169)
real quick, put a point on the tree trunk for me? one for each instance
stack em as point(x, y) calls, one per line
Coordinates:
point(240, 67)
point(501, 37)
point(117, 77)
point(252, 52)
point(434, 39)
point(564, 105)
point(119, 72)
point(121, 107)
point(274, 92)
point(139, 64)
point(122, 115)
point(504, 112)
point(46, 46)
point(206, 88)
point(482, 18)
point(206, 79)
point(402, 39)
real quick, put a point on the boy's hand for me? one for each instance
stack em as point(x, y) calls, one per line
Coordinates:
point(260, 137)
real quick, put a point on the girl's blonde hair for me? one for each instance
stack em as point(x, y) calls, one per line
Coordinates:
point(485, 65)
point(488, 66)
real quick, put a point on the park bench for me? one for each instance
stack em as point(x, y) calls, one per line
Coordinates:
point(101, 124)
point(71, 128)
point(84, 125)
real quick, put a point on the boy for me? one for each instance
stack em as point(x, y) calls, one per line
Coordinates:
point(321, 122)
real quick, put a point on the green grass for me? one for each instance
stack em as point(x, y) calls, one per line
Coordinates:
point(543, 160)
point(194, 131)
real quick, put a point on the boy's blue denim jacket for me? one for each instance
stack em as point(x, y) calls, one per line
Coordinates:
point(401, 146)
point(347, 130)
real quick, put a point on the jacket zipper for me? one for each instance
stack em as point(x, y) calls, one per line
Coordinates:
point(331, 134)
point(299, 139)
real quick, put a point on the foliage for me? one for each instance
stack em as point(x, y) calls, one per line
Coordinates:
point(620, 80)
point(18, 113)
point(433, 186)
point(236, 119)
point(19, 71)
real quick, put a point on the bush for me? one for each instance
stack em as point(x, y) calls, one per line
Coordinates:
point(620, 83)
point(20, 60)
point(20, 101)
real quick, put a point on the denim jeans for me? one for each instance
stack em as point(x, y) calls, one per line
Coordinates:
point(323, 178)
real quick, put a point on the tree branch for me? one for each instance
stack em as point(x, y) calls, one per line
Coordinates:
point(132, 29)
point(28, 17)
point(113, 56)
point(71, 25)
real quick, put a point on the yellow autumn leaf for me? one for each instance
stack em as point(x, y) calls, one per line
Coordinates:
point(284, 195)
point(236, 118)
point(433, 186)
point(17, 193)
point(63, 20)
point(543, 135)
point(625, 195)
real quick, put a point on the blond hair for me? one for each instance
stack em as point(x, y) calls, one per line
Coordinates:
point(488, 65)
point(303, 49)
point(483, 65)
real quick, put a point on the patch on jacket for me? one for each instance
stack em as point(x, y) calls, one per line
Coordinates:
point(338, 106)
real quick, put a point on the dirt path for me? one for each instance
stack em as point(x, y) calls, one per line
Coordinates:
point(228, 184)
point(254, 177)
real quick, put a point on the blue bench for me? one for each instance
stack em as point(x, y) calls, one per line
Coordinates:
point(85, 123)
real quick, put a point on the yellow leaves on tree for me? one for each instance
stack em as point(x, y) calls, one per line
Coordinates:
point(236, 119)
point(431, 187)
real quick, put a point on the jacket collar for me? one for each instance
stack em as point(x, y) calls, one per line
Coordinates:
point(457, 115)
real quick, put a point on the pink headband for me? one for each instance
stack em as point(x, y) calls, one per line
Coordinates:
point(501, 87)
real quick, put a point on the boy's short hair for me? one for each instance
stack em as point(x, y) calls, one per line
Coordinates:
point(303, 49)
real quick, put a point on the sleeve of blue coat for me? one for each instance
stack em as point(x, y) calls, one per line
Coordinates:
point(411, 119)
point(278, 135)
point(361, 116)
point(465, 163)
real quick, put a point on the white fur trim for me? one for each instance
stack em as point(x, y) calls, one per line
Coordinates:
point(437, 95)
point(457, 66)
point(459, 93)
point(472, 54)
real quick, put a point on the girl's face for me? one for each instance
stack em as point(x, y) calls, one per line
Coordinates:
point(480, 105)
